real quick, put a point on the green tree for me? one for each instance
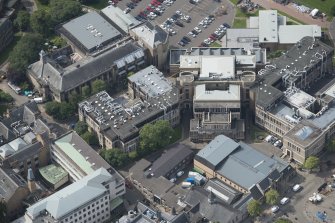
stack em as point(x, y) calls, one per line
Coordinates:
point(64, 10)
point(98, 85)
point(254, 208)
point(58, 41)
point(115, 157)
point(5, 97)
point(66, 111)
point(332, 10)
point(40, 22)
point(283, 220)
point(90, 138)
point(88, 1)
point(86, 91)
point(24, 86)
point(271, 196)
point(133, 155)
point(311, 162)
point(74, 99)
point(52, 108)
point(130, 74)
point(155, 136)
point(331, 145)
point(24, 53)
point(81, 127)
point(22, 20)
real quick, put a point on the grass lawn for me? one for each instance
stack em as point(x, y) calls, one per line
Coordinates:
point(3, 109)
point(240, 13)
point(215, 44)
point(234, 1)
point(291, 19)
point(240, 23)
point(257, 133)
point(324, 5)
point(100, 4)
point(5, 53)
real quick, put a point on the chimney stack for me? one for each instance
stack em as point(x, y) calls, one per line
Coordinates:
point(31, 181)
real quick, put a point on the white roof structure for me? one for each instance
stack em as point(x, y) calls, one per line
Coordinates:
point(220, 67)
point(231, 94)
point(291, 34)
point(72, 197)
point(268, 26)
point(122, 20)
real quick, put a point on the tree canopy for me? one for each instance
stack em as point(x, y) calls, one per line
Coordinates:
point(98, 85)
point(81, 127)
point(40, 22)
point(24, 53)
point(331, 145)
point(64, 10)
point(311, 162)
point(155, 136)
point(271, 196)
point(3, 211)
point(22, 20)
point(60, 110)
point(115, 157)
point(90, 138)
point(5, 97)
point(254, 208)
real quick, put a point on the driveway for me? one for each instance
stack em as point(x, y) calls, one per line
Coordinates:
point(19, 99)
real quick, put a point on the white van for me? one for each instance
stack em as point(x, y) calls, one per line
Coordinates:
point(284, 200)
point(296, 188)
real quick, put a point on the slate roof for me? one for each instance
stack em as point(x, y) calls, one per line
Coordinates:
point(64, 79)
point(153, 35)
point(10, 182)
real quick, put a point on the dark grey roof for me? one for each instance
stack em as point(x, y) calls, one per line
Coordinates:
point(265, 184)
point(10, 182)
point(198, 199)
point(256, 193)
point(300, 58)
point(169, 159)
point(216, 151)
point(91, 31)
point(64, 79)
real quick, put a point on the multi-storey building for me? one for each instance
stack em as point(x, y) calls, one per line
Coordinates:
point(241, 167)
point(87, 200)
point(284, 103)
point(216, 111)
point(97, 50)
point(117, 122)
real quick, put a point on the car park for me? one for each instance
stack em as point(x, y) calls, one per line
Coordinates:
point(226, 25)
point(274, 209)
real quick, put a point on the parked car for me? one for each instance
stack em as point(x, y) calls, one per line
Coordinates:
point(180, 24)
point(296, 187)
point(274, 209)
point(173, 179)
point(284, 201)
point(180, 173)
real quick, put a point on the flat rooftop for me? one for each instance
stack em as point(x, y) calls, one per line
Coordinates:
point(122, 20)
point(298, 98)
point(52, 173)
point(219, 66)
point(151, 82)
point(122, 117)
point(290, 34)
point(268, 26)
point(241, 38)
point(91, 30)
point(152, 35)
point(231, 94)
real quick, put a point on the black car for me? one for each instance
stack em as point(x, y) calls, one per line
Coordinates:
point(192, 2)
point(188, 39)
point(156, 12)
point(184, 41)
point(194, 32)
point(226, 25)
point(180, 24)
point(175, 16)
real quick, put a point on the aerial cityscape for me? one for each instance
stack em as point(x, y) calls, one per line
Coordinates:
point(167, 111)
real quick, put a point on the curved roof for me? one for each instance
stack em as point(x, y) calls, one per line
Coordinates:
point(52, 173)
